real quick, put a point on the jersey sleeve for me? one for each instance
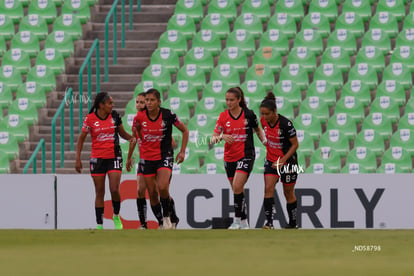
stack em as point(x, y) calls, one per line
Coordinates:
point(134, 124)
point(86, 126)
point(174, 118)
point(117, 118)
point(290, 128)
point(219, 125)
point(252, 119)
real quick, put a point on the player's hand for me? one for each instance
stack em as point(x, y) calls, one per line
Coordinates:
point(133, 140)
point(180, 157)
point(78, 166)
point(279, 163)
point(128, 165)
point(228, 138)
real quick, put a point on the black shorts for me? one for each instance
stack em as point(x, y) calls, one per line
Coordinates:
point(151, 167)
point(244, 165)
point(288, 174)
point(99, 166)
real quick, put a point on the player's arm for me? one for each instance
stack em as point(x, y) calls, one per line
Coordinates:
point(261, 135)
point(294, 146)
point(181, 155)
point(131, 149)
point(126, 135)
point(79, 147)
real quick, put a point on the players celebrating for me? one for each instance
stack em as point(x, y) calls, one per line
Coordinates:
point(154, 128)
point(281, 159)
point(104, 125)
point(235, 126)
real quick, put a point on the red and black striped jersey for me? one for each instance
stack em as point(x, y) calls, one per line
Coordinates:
point(104, 134)
point(241, 128)
point(156, 134)
point(278, 143)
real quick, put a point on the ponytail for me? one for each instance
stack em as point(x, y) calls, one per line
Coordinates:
point(100, 98)
point(238, 92)
point(269, 101)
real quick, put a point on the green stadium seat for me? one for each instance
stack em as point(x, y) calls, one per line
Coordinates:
point(310, 39)
point(254, 88)
point(284, 22)
point(303, 56)
point(16, 125)
point(249, 22)
point(324, 160)
point(175, 40)
point(182, 23)
point(306, 143)
point(380, 123)
point(404, 55)
point(399, 72)
point(35, 93)
point(292, 7)
point(44, 76)
point(6, 97)
point(52, 59)
point(145, 86)
point(234, 56)
point(45, 9)
point(18, 59)
point(284, 107)
point(326, 7)
point(324, 90)
point(260, 8)
point(409, 107)
point(359, 7)
point(352, 106)
point(179, 107)
point(308, 123)
point(357, 89)
point(370, 139)
point(344, 39)
point(296, 73)
point(130, 108)
point(4, 164)
point(317, 107)
point(13, 9)
point(167, 57)
point(80, 8)
point(201, 57)
point(344, 123)
point(209, 40)
point(61, 42)
point(372, 56)
point(385, 21)
point(184, 90)
point(7, 30)
point(395, 7)
point(404, 138)
point(159, 74)
point(191, 164)
point(405, 38)
point(275, 39)
point(392, 89)
point(352, 22)
point(258, 166)
point(226, 73)
point(192, 73)
point(212, 168)
point(330, 73)
point(317, 22)
point(10, 76)
point(360, 160)
point(34, 24)
point(70, 24)
point(9, 145)
point(27, 42)
point(217, 23)
point(336, 139)
point(192, 8)
point(377, 38)
point(243, 40)
point(289, 90)
point(270, 57)
point(387, 106)
point(217, 90)
point(210, 106)
point(365, 73)
point(261, 73)
point(337, 56)
point(26, 109)
point(227, 8)
point(407, 120)
point(396, 160)
point(202, 124)
point(409, 21)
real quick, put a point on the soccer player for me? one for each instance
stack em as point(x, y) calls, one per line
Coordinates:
point(154, 128)
point(281, 160)
point(235, 126)
point(104, 124)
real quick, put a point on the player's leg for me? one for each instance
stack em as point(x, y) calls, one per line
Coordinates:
point(114, 177)
point(289, 181)
point(150, 183)
point(163, 184)
point(99, 182)
point(270, 181)
point(141, 201)
point(239, 180)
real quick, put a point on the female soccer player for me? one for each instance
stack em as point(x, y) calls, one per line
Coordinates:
point(235, 126)
point(141, 201)
point(154, 128)
point(281, 159)
point(104, 125)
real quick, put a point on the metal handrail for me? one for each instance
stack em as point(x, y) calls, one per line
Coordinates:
point(131, 10)
point(33, 158)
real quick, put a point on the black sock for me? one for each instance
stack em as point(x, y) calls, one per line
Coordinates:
point(142, 210)
point(116, 205)
point(165, 203)
point(238, 205)
point(268, 206)
point(99, 211)
point(292, 210)
point(156, 209)
point(173, 213)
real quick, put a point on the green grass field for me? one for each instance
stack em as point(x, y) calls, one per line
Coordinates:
point(206, 252)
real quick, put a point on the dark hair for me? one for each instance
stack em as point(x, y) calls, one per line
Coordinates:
point(142, 94)
point(101, 97)
point(154, 92)
point(238, 92)
point(269, 101)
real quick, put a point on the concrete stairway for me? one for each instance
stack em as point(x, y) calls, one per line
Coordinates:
point(140, 42)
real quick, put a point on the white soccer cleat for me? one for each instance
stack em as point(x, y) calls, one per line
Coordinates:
point(244, 224)
point(235, 225)
point(166, 222)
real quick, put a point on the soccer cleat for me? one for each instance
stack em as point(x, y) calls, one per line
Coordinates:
point(268, 225)
point(99, 227)
point(174, 222)
point(142, 227)
point(291, 226)
point(166, 222)
point(117, 222)
point(244, 224)
point(235, 225)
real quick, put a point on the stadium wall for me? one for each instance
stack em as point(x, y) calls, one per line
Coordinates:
point(324, 201)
